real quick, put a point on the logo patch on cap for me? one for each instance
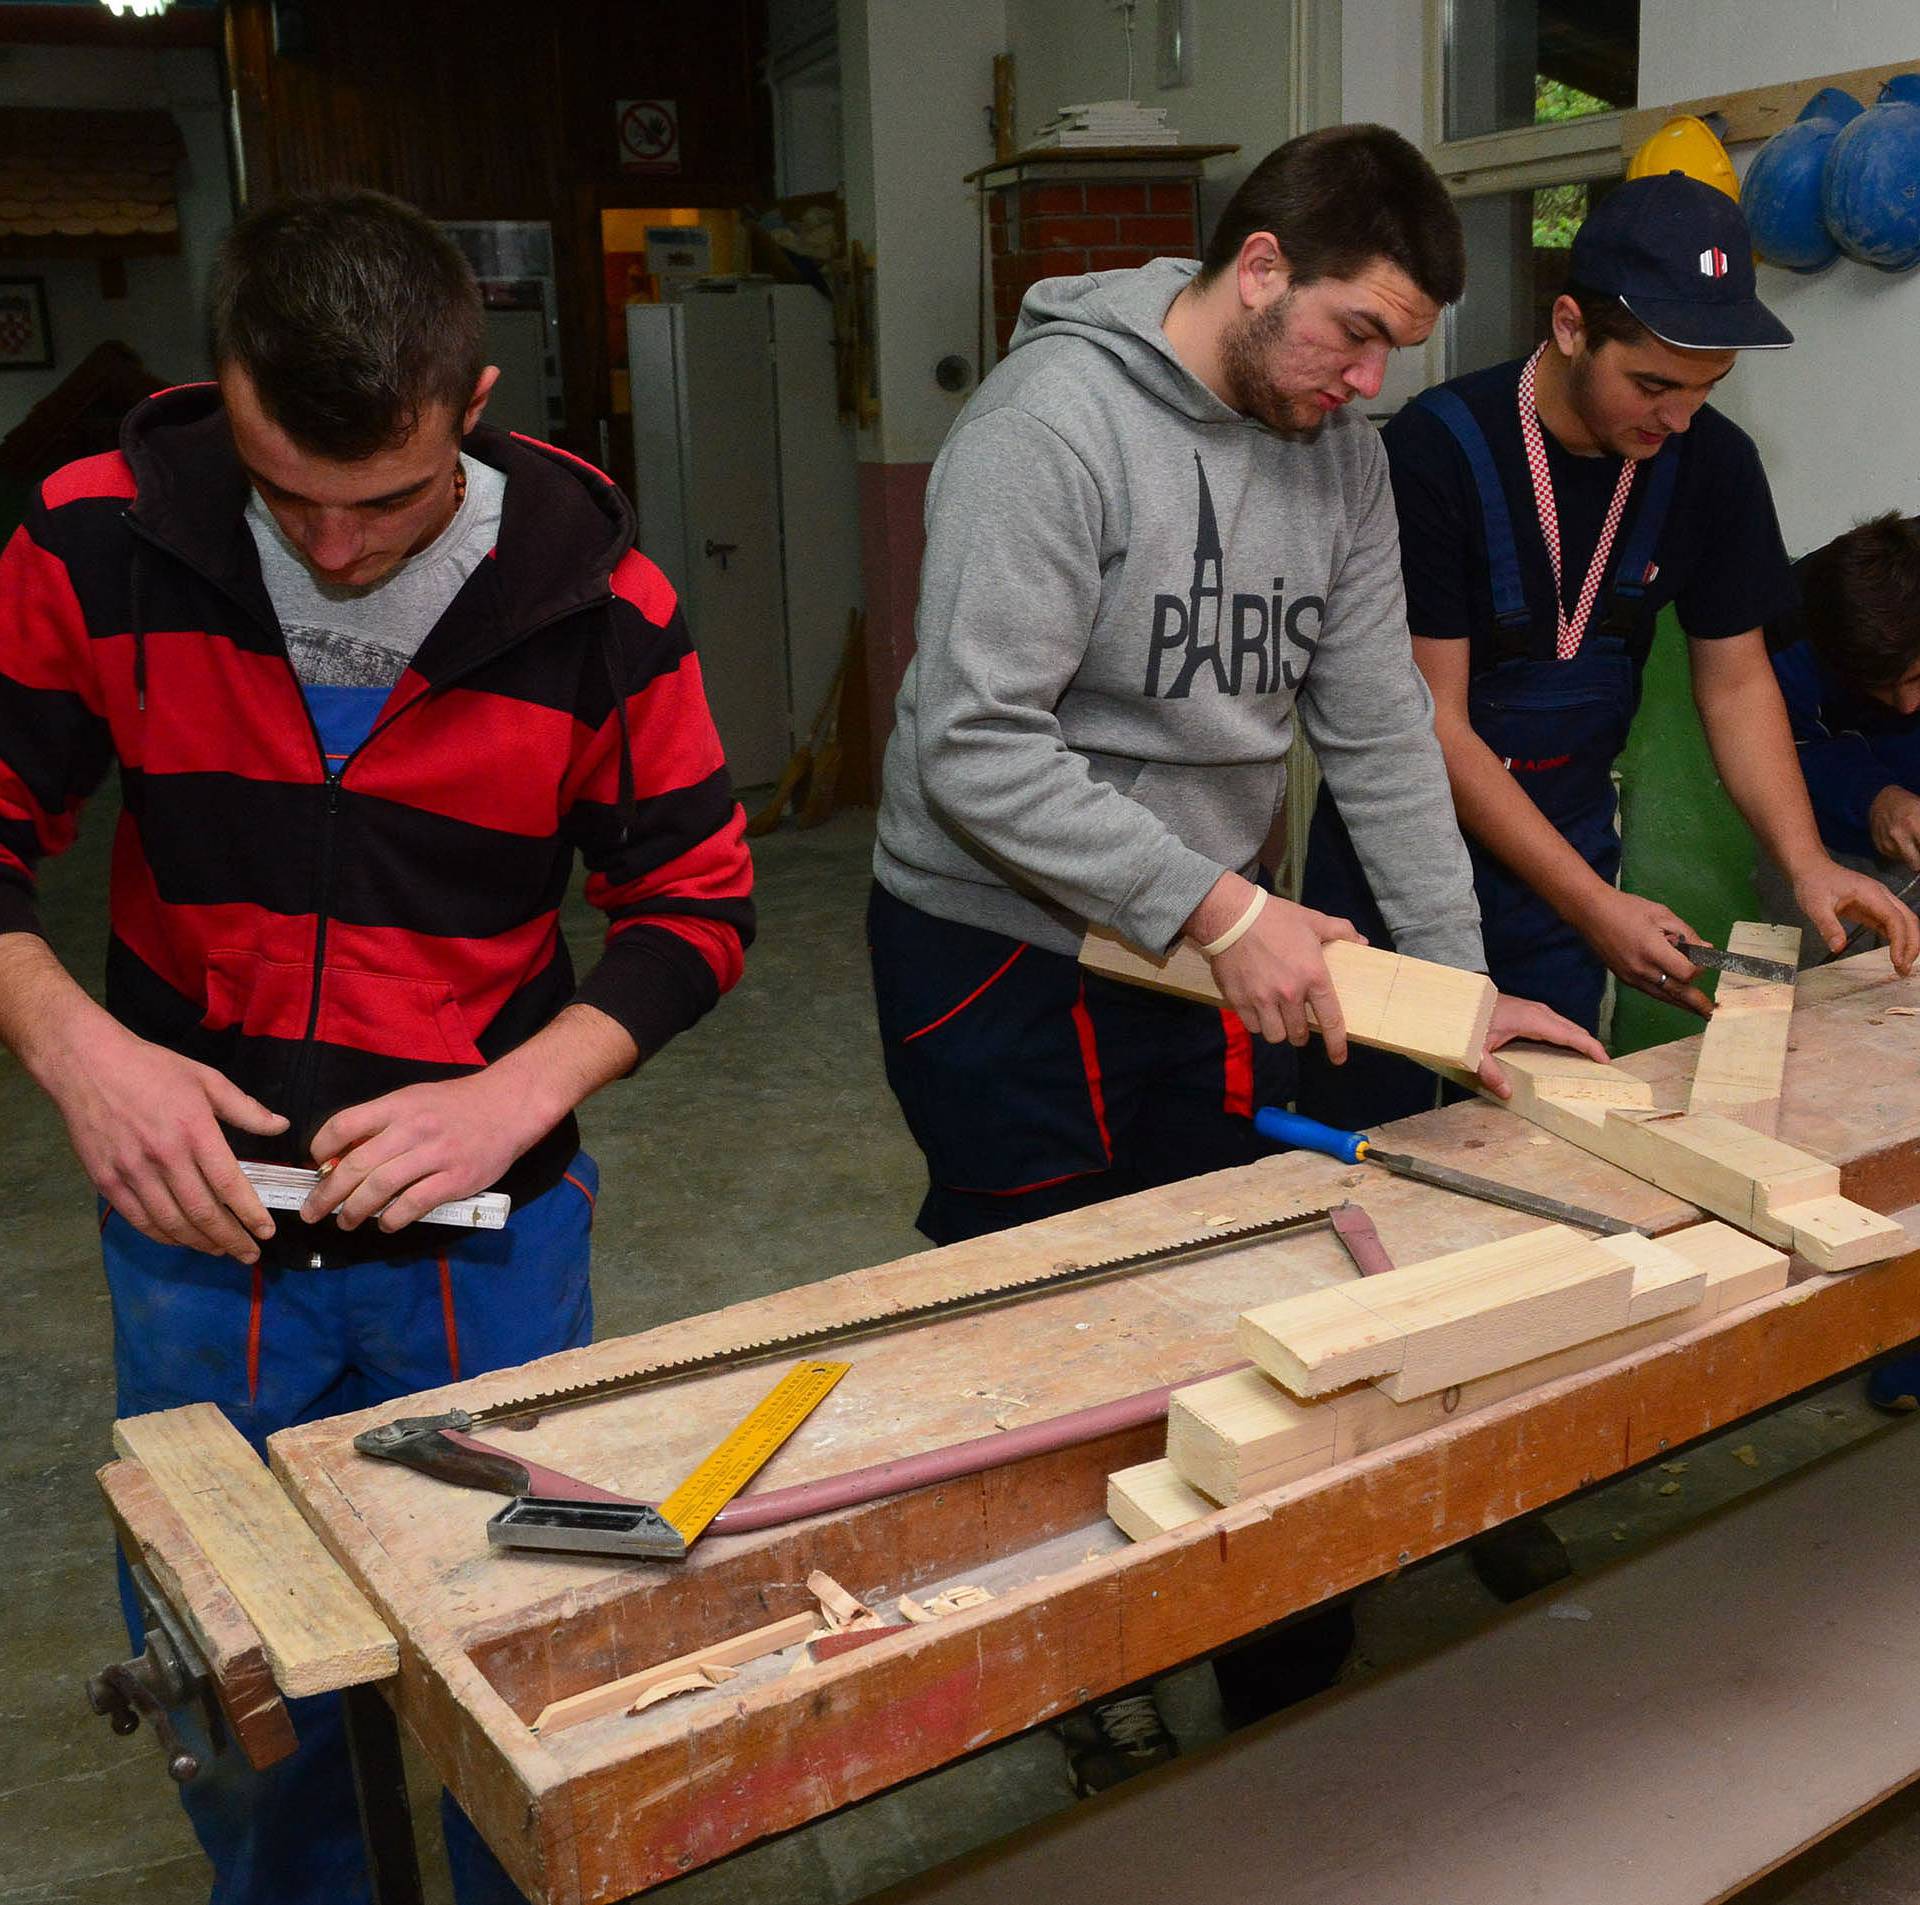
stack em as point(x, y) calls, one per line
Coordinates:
point(1713, 262)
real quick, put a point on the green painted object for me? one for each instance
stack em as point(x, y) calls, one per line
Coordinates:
point(1683, 841)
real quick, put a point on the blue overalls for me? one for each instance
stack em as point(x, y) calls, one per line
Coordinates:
point(272, 1348)
point(1558, 726)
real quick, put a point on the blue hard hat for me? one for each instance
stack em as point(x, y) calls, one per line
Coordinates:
point(1870, 192)
point(1781, 192)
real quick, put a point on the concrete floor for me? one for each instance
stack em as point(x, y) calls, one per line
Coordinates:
point(759, 1151)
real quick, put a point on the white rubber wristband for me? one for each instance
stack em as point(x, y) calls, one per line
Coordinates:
point(1238, 930)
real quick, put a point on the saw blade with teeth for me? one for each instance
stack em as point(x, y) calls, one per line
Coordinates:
point(766, 1349)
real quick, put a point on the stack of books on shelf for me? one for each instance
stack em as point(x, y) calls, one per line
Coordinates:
point(1108, 122)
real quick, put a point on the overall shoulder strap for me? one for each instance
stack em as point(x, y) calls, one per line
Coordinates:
point(1510, 612)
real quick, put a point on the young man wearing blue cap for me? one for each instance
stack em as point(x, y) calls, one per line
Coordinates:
point(1549, 509)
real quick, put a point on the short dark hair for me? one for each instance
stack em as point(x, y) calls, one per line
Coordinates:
point(1605, 318)
point(352, 314)
point(1861, 601)
point(1340, 199)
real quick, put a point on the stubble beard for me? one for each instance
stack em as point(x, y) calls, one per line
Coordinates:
point(1244, 349)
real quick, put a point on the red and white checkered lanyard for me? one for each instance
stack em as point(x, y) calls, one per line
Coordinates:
point(1568, 630)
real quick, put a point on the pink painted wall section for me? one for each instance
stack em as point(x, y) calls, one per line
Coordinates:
point(891, 541)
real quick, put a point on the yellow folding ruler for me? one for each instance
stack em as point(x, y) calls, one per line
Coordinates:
point(748, 1446)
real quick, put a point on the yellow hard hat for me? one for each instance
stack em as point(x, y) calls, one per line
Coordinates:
point(1688, 145)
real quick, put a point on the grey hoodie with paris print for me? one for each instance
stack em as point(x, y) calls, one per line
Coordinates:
point(1129, 590)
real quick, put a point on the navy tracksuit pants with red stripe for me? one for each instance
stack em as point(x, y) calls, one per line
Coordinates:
point(1033, 1086)
point(287, 1346)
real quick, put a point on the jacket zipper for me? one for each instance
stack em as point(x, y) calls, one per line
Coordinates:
point(308, 1059)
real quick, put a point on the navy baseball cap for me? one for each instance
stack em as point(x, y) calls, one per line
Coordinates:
point(1678, 255)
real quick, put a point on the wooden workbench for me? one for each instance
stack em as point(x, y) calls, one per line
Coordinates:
point(619, 1804)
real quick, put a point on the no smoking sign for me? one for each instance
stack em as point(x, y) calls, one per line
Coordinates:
point(649, 135)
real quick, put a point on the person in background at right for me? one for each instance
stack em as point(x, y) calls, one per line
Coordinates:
point(1848, 663)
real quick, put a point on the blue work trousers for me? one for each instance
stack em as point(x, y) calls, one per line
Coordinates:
point(276, 1348)
point(1033, 1086)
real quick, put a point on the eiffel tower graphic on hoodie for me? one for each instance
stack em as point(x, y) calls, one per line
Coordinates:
point(1190, 625)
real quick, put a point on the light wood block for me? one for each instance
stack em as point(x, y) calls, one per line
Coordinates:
point(1748, 1177)
point(1235, 1435)
point(1833, 1233)
point(1664, 1281)
point(1447, 1321)
point(1563, 1092)
point(1150, 1498)
point(1241, 1434)
point(1436, 1014)
point(319, 1632)
point(1322, 1340)
point(1743, 1056)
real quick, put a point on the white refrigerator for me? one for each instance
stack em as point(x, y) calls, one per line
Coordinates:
point(746, 483)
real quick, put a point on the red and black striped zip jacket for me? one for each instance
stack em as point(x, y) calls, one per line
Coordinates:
point(323, 935)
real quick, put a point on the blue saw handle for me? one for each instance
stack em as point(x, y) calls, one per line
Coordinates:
point(1309, 1134)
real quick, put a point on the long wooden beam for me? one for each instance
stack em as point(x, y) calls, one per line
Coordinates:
point(1436, 1014)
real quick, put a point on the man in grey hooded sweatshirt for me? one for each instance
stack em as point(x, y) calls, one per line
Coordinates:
point(1156, 533)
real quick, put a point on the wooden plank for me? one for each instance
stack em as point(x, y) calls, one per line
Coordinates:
point(155, 1537)
point(318, 1630)
point(1436, 1014)
point(1641, 1734)
point(1758, 112)
point(623, 1694)
point(1149, 1498)
point(1747, 1177)
point(1429, 1326)
point(1242, 1433)
point(1743, 1054)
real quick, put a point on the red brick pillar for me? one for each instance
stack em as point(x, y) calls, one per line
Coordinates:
point(1043, 228)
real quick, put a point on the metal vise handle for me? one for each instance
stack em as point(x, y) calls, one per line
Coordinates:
point(171, 1672)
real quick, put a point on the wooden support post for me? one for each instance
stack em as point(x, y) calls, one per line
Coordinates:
point(1436, 1014)
point(319, 1632)
point(1744, 1052)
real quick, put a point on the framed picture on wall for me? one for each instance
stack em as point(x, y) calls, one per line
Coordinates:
point(26, 339)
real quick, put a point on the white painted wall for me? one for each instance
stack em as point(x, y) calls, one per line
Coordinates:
point(1069, 51)
point(161, 317)
point(1837, 417)
point(917, 80)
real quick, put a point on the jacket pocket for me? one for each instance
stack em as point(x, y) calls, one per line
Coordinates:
point(397, 1015)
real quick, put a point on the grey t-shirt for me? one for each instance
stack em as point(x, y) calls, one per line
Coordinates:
point(365, 637)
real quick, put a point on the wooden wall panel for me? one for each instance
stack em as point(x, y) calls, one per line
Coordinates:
point(476, 109)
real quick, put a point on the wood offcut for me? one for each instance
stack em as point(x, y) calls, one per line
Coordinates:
point(1436, 1014)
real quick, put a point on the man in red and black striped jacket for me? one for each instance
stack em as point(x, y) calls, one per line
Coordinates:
point(373, 676)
